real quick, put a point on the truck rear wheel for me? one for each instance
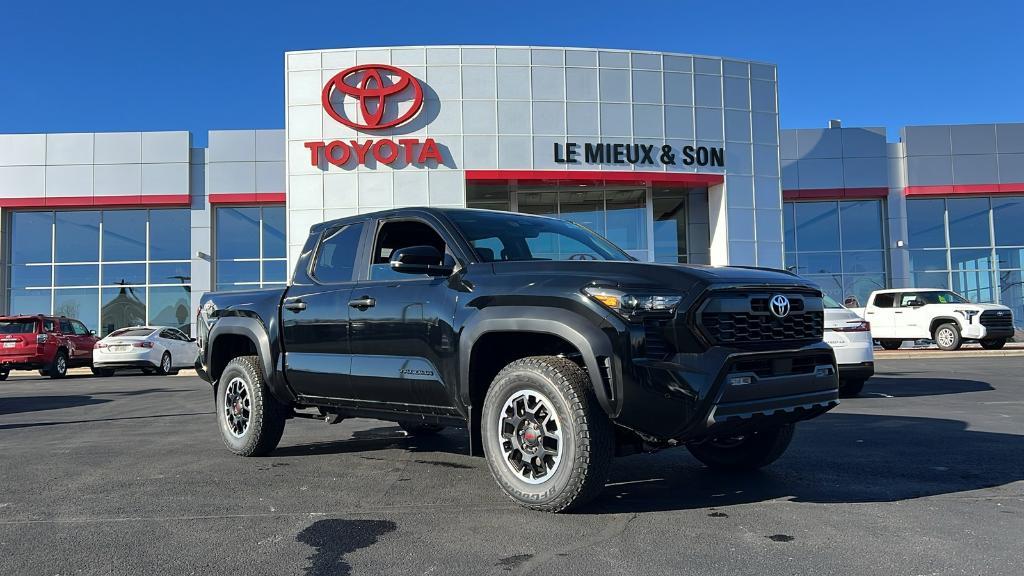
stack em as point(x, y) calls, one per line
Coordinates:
point(947, 336)
point(59, 367)
point(547, 441)
point(889, 344)
point(250, 419)
point(743, 453)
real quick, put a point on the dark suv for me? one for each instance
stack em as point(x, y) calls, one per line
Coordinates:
point(554, 347)
point(49, 344)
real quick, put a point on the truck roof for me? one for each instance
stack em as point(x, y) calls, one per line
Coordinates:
point(407, 211)
point(891, 290)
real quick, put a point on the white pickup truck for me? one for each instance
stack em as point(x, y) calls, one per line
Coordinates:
point(941, 315)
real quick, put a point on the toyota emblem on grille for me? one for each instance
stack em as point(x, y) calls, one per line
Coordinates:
point(779, 306)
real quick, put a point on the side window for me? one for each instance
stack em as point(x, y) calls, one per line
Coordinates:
point(178, 335)
point(884, 300)
point(65, 327)
point(401, 234)
point(336, 257)
point(489, 249)
point(79, 328)
point(167, 334)
point(49, 325)
point(906, 298)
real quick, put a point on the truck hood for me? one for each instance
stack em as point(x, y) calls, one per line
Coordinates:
point(631, 273)
point(981, 307)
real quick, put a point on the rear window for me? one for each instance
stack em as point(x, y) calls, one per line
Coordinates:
point(17, 326)
point(132, 332)
point(884, 300)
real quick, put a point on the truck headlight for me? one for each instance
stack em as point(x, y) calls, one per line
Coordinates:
point(629, 304)
point(968, 314)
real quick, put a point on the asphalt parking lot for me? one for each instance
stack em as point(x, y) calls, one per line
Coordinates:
point(126, 475)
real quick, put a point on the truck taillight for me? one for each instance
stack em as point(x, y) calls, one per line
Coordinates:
point(143, 344)
point(40, 338)
point(860, 326)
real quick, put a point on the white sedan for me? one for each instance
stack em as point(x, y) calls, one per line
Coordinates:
point(850, 338)
point(153, 349)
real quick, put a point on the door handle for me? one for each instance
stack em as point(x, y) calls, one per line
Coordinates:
point(898, 312)
point(295, 305)
point(362, 303)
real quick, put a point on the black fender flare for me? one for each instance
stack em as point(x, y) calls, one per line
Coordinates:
point(934, 323)
point(583, 333)
point(254, 330)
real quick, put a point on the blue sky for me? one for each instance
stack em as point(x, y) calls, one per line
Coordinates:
point(104, 66)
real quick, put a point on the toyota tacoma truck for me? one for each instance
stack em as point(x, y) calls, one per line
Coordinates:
point(933, 313)
point(552, 346)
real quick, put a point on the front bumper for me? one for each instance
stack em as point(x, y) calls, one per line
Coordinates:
point(726, 389)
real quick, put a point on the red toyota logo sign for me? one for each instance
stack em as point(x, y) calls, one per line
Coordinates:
point(377, 88)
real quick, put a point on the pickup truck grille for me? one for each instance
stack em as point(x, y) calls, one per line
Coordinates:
point(997, 319)
point(655, 344)
point(744, 320)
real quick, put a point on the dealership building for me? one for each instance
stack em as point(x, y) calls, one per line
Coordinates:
point(675, 158)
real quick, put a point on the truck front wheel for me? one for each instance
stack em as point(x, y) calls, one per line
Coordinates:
point(947, 336)
point(993, 343)
point(547, 441)
point(743, 453)
point(250, 419)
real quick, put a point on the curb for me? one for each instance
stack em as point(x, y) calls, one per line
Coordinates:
point(936, 354)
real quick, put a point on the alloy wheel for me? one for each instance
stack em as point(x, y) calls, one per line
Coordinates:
point(165, 363)
point(530, 436)
point(237, 407)
point(945, 337)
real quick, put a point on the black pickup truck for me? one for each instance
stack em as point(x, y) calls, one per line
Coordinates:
point(556, 349)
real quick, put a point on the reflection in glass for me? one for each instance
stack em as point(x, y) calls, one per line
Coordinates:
point(626, 218)
point(30, 301)
point(968, 222)
point(857, 287)
point(540, 203)
point(123, 306)
point(76, 275)
point(818, 262)
point(170, 273)
point(930, 279)
point(1011, 293)
point(670, 215)
point(1007, 258)
point(789, 226)
point(1008, 220)
point(78, 236)
point(275, 271)
point(975, 285)
point(971, 259)
point(831, 284)
point(861, 225)
point(169, 306)
point(238, 233)
point(922, 260)
point(79, 303)
point(31, 237)
point(28, 276)
point(170, 234)
point(926, 223)
point(583, 206)
point(817, 226)
point(231, 272)
point(124, 235)
point(864, 261)
point(488, 196)
point(273, 232)
point(117, 274)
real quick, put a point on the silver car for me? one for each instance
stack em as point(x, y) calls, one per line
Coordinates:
point(152, 349)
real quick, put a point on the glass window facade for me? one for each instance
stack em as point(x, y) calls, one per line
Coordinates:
point(250, 247)
point(840, 245)
point(971, 245)
point(107, 268)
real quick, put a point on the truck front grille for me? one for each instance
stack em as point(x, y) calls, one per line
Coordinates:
point(997, 319)
point(744, 320)
point(655, 344)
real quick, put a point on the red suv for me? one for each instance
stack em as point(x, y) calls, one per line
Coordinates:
point(49, 344)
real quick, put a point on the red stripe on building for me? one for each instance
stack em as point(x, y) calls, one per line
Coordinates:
point(90, 201)
point(248, 198)
point(834, 193)
point(965, 189)
point(664, 178)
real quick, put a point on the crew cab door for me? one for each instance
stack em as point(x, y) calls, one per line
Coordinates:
point(402, 338)
point(315, 316)
point(912, 317)
point(880, 313)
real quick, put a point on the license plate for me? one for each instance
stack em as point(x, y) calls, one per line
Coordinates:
point(119, 348)
point(10, 344)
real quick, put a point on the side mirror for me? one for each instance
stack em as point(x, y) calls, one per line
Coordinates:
point(420, 260)
point(191, 339)
point(92, 332)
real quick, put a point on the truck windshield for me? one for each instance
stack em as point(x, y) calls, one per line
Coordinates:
point(508, 237)
point(17, 326)
point(830, 303)
point(943, 297)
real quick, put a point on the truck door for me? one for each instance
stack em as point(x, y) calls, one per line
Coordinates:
point(402, 338)
point(315, 317)
point(879, 313)
point(911, 317)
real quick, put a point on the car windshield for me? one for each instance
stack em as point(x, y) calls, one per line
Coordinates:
point(508, 237)
point(131, 332)
point(830, 303)
point(938, 297)
point(17, 326)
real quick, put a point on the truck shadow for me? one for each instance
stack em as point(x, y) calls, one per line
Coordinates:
point(838, 458)
point(382, 438)
point(904, 387)
point(20, 404)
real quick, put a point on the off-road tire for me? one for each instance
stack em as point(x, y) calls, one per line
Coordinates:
point(850, 388)
point(993, 343)
point(588, 439)
point(266, 415)
point(889, 344)
point(103, 372)
point(756, 449)
point(947, 336)
point(420, 428)
point(59, 368)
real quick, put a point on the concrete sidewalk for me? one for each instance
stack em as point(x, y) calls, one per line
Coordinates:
point(967, 351)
